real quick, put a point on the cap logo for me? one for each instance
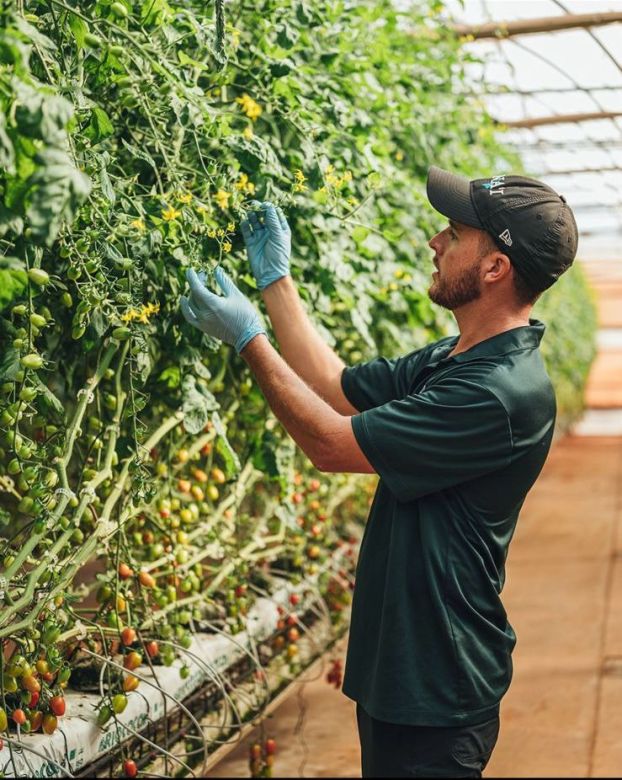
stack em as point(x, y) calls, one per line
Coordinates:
point(506, 237)
point(494, 185)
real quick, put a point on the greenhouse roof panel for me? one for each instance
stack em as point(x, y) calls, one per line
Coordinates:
point(562, 73)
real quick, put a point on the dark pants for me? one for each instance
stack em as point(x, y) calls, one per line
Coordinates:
point(393, 750)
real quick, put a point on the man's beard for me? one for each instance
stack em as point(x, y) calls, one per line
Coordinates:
point(459, 292)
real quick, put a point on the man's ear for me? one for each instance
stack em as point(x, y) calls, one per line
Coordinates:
point(497, 266)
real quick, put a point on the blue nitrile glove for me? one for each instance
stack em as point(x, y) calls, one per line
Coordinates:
point(230, 317)
point(268, 245)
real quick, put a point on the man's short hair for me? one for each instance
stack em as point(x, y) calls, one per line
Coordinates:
point(525, 294)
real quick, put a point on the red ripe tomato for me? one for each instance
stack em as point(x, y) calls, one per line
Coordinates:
point(292, 620)
point(128, 636)
point(146, 580)
point(19, 716)
point(34, 700)
point(294, 599)
point(270, 747)
point(125, 571)
point(152, 648)
point(297, 498)
point(57, 705)
point(129, 768)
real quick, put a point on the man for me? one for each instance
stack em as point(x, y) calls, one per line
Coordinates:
point(458, 432)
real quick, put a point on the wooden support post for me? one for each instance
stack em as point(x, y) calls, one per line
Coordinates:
point(543, 24)
point(559, 119)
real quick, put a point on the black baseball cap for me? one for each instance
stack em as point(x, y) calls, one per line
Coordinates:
point(529, 221)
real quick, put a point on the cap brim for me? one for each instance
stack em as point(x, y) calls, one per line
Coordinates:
point(451, 196)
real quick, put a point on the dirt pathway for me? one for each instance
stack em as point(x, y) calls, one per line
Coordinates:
point(562, 716)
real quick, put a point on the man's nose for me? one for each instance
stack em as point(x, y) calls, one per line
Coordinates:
point(433, 243)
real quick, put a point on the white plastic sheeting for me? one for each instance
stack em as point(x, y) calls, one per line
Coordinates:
point(561, 72)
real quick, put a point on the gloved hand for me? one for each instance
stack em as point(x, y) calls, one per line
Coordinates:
point(230, 317)
point(268, 245)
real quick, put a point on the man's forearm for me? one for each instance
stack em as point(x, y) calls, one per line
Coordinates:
point(324, 435)
point(301, 345)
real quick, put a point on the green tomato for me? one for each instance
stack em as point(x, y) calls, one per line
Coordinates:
point(121, 334)
point(118, 9)
point(26, 505)
point(104, 715)
point(28, 393)
point(19, 310)
point(66, 300)
point(38, 276)
point(95, 42)
point(38, 321)
point(119, 703)
point(33, 361)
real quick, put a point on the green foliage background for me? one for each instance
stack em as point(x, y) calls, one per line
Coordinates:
point(131, 144)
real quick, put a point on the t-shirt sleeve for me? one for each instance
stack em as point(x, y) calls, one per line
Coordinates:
point(452, 432)
point(378, 381)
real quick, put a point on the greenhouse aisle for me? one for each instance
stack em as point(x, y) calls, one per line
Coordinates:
point(562, 715)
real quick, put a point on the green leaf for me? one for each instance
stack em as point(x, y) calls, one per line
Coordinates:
point(12, 285)
point(224, 448)
point(79, 28)
point(52, 404)
point(198, 402)
point(7, 153)
point(100, 126)
point(9, 364)
point(55, 191)
point(172, 376)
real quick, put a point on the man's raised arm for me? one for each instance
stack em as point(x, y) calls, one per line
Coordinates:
point(268, 244)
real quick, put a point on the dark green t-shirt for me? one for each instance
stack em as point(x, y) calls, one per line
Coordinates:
point(457, 443)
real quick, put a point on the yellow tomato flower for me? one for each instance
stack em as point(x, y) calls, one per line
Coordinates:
point(248, 133)
point(220, 232)
point(300, 177)
point(130, 315)
point(347, 176)
point(211, 233)
point(399, 155)
point(329, 169)
point(185, 197)
point(244, 185)
point(138, 224)
point(222, 198)
point(143, 315)
point(170, 213)
point(249, 106)
point(227, 246)
point(235, 38)
point(230, 227)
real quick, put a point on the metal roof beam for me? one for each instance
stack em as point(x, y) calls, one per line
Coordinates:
point(543, 24)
